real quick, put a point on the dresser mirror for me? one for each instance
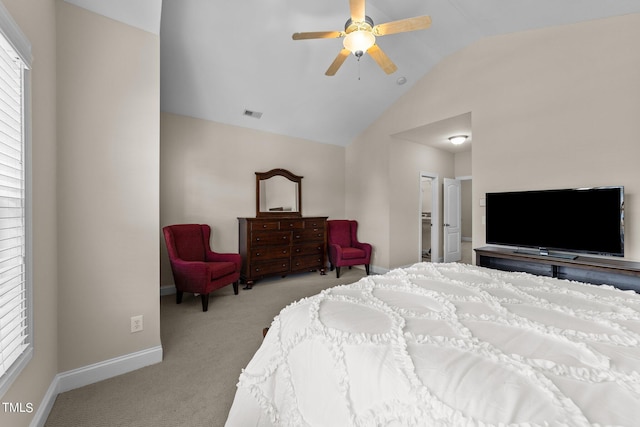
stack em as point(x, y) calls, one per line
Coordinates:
point(278, 194)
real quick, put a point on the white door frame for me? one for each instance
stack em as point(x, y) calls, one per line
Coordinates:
point(435, 216)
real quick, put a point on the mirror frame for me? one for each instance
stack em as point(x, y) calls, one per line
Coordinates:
point(260, 176)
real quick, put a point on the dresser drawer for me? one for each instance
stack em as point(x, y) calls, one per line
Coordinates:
point(308, 249)
point(265, 225)
point(270, 252)
point(309, 235)
point(291, 224)
point(270, 267)
point(306, 262)
point(314, 223)
point(259, 238)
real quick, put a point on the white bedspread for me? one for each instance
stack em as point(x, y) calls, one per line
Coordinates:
point(448, 345)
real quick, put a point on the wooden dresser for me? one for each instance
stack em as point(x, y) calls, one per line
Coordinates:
point(278, 246)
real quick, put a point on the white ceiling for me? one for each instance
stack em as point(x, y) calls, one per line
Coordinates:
point(220, 58)
point(144, 14)
point(437, 134)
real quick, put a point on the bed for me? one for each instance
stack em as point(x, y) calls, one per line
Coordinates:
point(448, 345)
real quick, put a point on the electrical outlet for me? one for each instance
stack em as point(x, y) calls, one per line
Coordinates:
point(136, 323)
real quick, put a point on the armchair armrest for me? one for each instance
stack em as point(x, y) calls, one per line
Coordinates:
point(366, 247)
point(190, 275)
point(225, 257)
point(335, 251)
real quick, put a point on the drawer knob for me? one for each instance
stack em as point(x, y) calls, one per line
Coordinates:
point(284, 251)
point(257, 238)
point(264, 225)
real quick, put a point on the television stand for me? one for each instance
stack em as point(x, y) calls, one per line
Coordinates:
point(544, 252)
point(619, 273)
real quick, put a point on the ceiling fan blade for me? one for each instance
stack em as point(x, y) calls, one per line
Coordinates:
point(357, 10)
point(382, 59)
point(333, 68)
point(318, 35)
point(403, 25)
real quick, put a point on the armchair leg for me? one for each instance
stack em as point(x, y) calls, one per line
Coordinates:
point(179, 296)
point(205, 301)
point(235, 287)
point(366, 267)
point(337, 272)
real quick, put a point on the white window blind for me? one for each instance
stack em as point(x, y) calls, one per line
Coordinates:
point(14, 304)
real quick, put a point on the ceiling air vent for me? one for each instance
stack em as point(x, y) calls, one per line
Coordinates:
point(254, 114)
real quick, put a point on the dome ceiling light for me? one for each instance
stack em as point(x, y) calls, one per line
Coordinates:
point(458, 139)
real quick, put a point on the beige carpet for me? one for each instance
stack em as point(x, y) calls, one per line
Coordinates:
point(203, 356)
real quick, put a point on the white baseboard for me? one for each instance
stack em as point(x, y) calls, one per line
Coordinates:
point(90, 374)
point(374, 269)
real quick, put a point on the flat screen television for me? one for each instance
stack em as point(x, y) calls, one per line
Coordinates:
point(579, 220)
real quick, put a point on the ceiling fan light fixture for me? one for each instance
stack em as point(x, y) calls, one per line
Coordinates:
point(359, 41)
point(458, 139)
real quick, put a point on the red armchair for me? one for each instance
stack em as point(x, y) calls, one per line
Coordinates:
point(344, 247)
point(196, 268)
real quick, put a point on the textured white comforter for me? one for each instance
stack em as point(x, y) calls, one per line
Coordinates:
point(448, 345)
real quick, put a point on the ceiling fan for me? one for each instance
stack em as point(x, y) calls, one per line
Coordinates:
point(360, 36)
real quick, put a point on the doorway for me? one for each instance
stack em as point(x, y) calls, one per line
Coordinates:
point(430, 244)
point(429, 218)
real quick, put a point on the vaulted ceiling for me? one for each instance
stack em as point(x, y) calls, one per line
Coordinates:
point(220, 58)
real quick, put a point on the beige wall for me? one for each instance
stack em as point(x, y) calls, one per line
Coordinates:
point(367, 192)
point(108, 187)
point(407, 161)
point(463, 164)
point(208, 176)
point(562, 117)
point(551, 108)
point(36, 19)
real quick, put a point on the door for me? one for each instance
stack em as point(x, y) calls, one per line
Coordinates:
point(452, 221)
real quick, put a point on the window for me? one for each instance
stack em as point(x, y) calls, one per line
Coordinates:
point(15, 274)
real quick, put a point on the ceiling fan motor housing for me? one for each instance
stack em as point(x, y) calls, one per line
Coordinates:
point(352, 25)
